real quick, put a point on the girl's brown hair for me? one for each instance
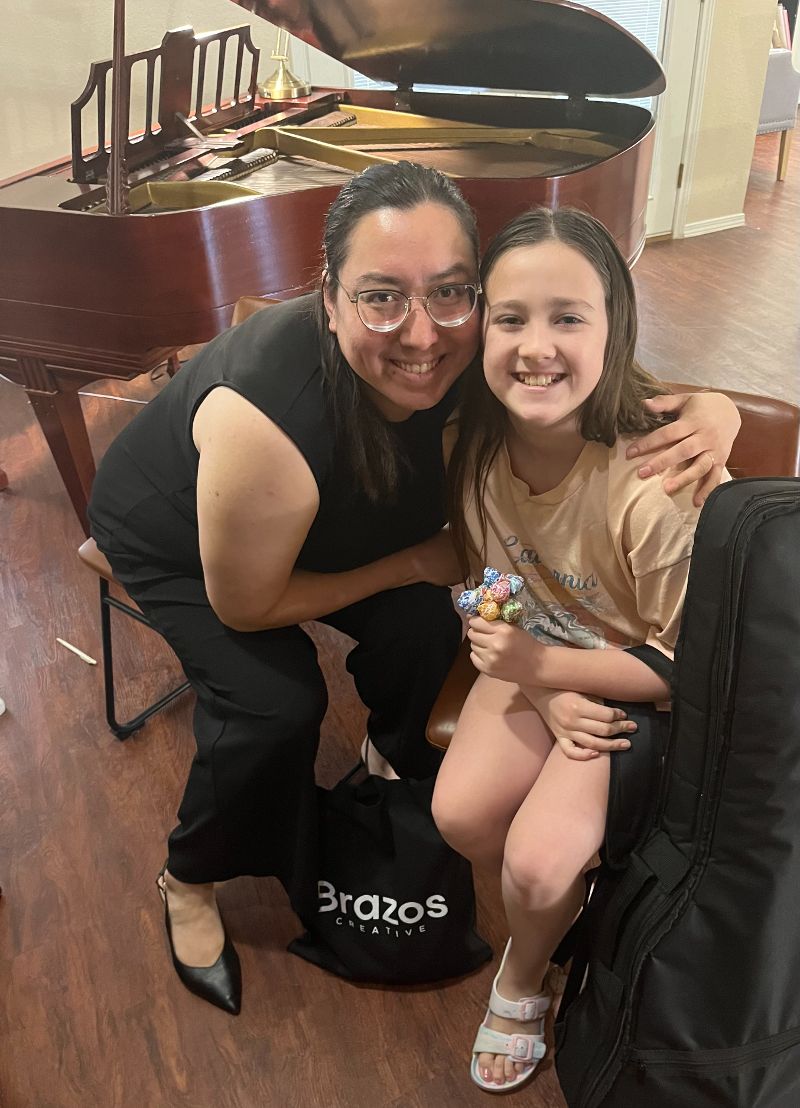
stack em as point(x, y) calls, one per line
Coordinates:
point(613, 408)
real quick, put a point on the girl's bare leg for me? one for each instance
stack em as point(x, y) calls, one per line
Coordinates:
point(496, 754)
point(558, 827)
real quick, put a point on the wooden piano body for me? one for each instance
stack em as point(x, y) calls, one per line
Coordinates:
point(87, 295)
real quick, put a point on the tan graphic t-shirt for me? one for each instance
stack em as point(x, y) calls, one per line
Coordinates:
point(604, 555)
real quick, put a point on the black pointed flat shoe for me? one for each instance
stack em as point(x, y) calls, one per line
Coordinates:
point(219, 984)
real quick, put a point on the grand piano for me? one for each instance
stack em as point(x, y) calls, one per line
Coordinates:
point(133, 248)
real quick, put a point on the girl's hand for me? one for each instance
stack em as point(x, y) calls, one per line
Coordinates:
point(503, 651)
point(698, 442)
point(581, 725)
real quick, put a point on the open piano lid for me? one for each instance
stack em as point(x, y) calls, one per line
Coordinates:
point(526, 45)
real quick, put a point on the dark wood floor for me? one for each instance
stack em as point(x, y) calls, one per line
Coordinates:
point(723, 309)
point(90, 1011)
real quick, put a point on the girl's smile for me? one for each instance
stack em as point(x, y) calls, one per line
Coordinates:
point(539, 380)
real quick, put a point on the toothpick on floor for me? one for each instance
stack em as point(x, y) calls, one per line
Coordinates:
point(74, 649)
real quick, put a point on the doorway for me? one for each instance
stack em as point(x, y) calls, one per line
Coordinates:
point(670, 29)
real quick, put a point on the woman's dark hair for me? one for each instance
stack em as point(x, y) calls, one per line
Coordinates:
point(615, 405)
point(361, 430)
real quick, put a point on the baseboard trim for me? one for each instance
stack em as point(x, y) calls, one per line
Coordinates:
point(706, 226)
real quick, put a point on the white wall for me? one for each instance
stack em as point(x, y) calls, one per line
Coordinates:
point(47, 46)
point(731, 98)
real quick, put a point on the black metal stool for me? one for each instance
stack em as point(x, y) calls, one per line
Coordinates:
point(94, 558)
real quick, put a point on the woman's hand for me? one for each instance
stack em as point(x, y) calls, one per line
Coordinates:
point(698, 442)
point(502, 651)
point(434, 561)
point(581, 725)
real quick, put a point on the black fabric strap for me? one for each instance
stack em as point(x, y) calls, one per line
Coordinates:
point(653, 658)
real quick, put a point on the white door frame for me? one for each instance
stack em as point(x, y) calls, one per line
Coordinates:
point(685, 53)
point(693, 118)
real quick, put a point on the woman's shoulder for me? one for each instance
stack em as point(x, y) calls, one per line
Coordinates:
point(274, 359)
point(276, 344)
point(276, 332)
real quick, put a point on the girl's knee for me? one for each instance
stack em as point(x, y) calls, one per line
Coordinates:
point(473, 837)
point(444, 815)
point(535, 877)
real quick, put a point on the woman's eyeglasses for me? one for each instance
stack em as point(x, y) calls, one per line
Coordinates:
point(386, 309)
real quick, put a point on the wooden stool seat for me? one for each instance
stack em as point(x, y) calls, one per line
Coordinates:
point(92, 557)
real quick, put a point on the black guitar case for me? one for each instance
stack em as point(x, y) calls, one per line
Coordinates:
point(685, 988)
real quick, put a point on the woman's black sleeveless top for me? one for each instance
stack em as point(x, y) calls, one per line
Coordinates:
point(144, 500)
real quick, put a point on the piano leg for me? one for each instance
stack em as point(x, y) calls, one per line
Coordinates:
point(61, 419)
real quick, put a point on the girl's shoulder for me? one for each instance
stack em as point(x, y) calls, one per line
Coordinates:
point(644, 498)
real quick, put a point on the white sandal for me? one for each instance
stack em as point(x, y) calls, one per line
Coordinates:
point(527, 1049)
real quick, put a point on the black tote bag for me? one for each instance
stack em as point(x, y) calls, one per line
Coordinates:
point(395, 903)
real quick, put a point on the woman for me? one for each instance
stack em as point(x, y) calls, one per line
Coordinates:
point(294, 471)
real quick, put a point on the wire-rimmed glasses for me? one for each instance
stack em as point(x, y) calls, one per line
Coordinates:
point(386, 309)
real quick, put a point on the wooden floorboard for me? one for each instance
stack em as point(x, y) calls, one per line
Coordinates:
point(91, 1013)
point(722, 309)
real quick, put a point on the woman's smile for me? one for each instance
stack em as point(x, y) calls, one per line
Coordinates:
point(417, 369)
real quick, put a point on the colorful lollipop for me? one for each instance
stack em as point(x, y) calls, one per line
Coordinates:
point(494, 598)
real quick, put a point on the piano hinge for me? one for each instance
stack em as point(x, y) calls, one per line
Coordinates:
point(402, 98)
point(576, 104)
point(680, 175)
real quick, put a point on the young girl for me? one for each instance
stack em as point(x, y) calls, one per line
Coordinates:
point(541, 487)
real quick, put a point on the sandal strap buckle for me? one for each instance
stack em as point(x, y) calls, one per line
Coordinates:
point(524, 1048)
point(534, 1007)
point(528, 1008)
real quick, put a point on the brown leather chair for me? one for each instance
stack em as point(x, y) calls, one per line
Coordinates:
point(768, 445)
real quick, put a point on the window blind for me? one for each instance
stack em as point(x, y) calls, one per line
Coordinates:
point(641, 17)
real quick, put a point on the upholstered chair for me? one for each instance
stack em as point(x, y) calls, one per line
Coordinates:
point(779, 103)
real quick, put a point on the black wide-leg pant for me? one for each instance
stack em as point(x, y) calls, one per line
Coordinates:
point(250, 803)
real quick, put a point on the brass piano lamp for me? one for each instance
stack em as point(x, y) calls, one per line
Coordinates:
point(282, 84)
